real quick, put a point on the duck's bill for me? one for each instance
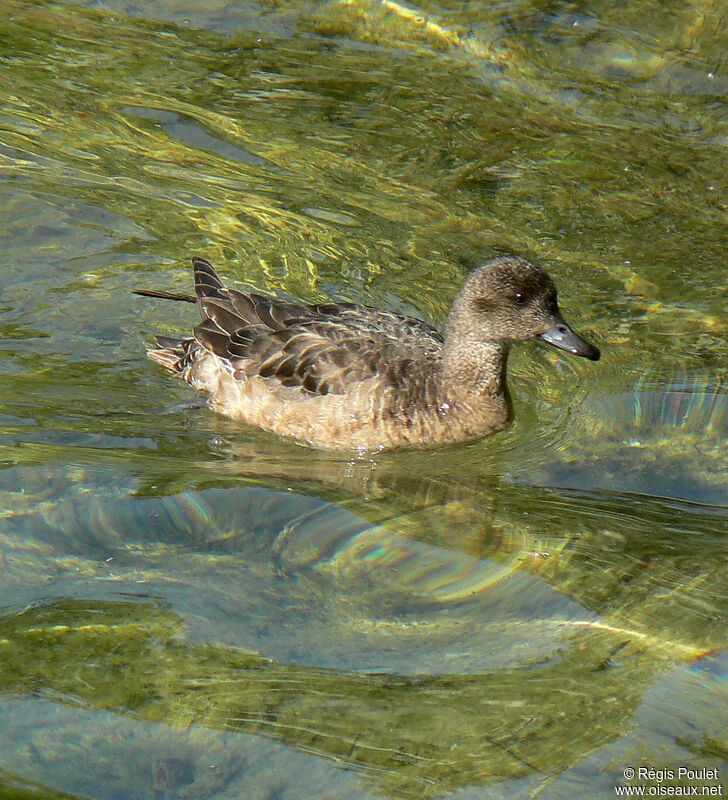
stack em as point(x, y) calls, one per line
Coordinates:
point(560, 335)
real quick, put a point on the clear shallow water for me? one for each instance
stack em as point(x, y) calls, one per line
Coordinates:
point(192, 608)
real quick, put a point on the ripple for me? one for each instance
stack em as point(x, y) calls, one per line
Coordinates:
point(190, 132)
point(662, 437)
point(679, 400)
point(295, 578)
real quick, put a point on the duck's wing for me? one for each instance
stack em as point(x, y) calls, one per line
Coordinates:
point(322, 349)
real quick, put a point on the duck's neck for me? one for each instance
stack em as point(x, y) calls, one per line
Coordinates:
point(473, 368)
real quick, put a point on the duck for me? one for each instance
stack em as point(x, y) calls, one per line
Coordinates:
point(346, 376)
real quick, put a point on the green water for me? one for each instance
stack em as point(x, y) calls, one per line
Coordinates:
point(193, 609)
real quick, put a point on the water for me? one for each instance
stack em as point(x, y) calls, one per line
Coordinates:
point(191, 608)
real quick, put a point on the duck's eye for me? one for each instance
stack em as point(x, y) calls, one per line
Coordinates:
point(520, 298)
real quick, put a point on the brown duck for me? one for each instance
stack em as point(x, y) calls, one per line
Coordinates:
point(347, 376)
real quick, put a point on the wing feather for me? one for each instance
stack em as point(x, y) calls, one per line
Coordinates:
point(320, 349)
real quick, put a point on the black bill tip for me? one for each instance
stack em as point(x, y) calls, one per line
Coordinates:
point(560, 335)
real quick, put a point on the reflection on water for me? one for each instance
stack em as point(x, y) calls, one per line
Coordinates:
point(664, 437)
point(292, 577)
point(684, 402)
point(204, 610)
point(291, 617)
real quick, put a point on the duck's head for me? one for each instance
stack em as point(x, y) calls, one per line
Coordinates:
point(509, 299)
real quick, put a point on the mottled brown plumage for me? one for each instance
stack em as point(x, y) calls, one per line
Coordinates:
point(348, 376)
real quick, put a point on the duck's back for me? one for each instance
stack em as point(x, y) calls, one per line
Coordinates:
point(333, 374)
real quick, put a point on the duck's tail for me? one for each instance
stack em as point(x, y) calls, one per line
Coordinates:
point(185, 298)
point(170, 353)
point(207, 284)
point(176, 355)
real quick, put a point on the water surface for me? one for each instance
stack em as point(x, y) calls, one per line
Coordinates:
point(191, 608)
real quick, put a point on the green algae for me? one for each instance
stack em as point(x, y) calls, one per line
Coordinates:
point(15, 787)
point(659, 599)
point(415, 736)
